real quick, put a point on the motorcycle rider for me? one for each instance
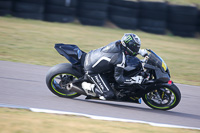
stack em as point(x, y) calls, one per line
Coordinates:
point(107, 58)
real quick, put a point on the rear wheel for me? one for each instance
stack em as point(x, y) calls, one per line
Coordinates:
point(164, 98)
point(57, 79)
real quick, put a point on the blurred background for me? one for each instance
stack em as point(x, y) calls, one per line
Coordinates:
point(30, 28)
point(178, 17)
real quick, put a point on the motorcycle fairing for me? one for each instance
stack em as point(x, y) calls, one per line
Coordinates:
point(71, 53)
point(157, 64)
point(157, 61)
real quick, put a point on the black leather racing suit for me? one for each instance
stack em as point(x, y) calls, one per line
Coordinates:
point(103, 60)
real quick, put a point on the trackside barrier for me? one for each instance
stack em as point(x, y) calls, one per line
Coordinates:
point(148, 16)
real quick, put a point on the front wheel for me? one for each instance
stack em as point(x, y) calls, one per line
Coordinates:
point(164, 98)
point(58, 77)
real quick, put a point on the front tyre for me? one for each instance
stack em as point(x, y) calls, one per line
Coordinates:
point(58, 77)
point(164, 98)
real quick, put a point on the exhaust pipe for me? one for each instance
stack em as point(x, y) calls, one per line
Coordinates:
point(74, 88)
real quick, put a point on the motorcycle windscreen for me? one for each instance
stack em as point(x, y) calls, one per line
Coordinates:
point(157, 61)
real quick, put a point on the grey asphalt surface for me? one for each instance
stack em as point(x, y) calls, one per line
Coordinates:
point(24, 85)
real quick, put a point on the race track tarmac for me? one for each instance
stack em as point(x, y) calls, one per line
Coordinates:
point(24, 85)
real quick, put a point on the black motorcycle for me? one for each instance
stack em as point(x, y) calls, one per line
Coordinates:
point(156, 90)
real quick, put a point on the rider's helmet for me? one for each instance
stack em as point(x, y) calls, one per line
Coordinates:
point(131, 42)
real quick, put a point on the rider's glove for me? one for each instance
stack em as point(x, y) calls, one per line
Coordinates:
point(143, 52)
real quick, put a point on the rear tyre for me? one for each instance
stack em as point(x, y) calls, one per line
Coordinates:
point(164, 98)
point(57, 79)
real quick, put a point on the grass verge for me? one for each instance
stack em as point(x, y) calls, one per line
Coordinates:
point(178, 2)
point(31, 41)
point(23, 121)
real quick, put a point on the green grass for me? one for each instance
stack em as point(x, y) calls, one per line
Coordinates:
point(184, 2)
point(23, 121)
point(180, 2)
point(32, 42)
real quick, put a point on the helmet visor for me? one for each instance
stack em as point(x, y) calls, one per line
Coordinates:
point(133, 48)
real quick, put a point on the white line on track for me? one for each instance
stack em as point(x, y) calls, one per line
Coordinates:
point(96, 117)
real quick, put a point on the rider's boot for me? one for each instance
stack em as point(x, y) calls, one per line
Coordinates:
point(89, 89)
point(92, 91)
